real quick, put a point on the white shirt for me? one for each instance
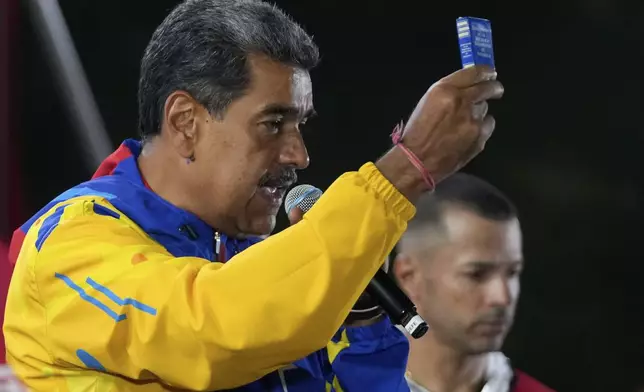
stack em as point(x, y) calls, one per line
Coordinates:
point(8, 382)
point(498, 375)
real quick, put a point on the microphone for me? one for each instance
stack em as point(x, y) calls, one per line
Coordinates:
point(389, 296)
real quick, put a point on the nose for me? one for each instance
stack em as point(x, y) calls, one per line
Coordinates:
point(500, 292)
point(293, 152)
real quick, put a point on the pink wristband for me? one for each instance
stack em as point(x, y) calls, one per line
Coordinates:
point(396, 137)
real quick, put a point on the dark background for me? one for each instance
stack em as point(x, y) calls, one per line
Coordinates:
point(567, 148)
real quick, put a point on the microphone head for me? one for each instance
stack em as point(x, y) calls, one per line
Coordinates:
point(302, 196)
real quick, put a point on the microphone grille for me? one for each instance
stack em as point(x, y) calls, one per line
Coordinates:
point(303, 196)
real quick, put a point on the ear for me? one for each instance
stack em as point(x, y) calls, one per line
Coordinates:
point(407, 273)
point(180, 122)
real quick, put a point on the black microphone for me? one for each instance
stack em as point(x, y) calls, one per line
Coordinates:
point(386, 292)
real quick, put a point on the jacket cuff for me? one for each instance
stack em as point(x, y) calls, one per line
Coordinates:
point(399, 203)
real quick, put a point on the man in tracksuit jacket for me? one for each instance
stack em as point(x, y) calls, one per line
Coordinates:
point(144, 278)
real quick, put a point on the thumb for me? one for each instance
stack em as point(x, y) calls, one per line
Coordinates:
point(295, 215)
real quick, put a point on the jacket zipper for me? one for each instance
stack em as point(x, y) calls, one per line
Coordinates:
point(282, 380)
point(217, 245)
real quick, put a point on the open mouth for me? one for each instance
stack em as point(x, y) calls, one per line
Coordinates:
point(272, 194)
point(274, 190)
point(274, 187)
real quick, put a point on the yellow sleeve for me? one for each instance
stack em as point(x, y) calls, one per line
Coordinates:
point(116, 301)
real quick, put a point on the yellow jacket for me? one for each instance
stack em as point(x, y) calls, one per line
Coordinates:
point(97, 303)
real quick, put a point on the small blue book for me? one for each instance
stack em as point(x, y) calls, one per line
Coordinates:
point(475, 41)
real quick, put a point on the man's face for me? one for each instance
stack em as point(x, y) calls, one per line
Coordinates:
point(246, 161)
point(467, 285)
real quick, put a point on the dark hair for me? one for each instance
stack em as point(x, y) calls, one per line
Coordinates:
point(466, 191)
point(202, 48)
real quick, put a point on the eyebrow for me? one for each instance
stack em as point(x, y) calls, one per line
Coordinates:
point(287, 111)
point(492, 264)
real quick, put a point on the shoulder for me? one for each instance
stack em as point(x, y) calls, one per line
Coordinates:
point(526, 383)
point(79, 238)
point(78, 229)
point(85, 215)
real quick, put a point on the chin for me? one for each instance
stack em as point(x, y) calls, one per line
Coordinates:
point(485, 345)
point(260, 226)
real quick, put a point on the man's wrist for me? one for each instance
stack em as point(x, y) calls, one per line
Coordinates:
point(402, 174)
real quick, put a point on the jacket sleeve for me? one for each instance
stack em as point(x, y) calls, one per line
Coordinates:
point(370, 358)
point(116, 301)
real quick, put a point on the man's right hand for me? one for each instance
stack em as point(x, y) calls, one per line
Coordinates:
point(448, 128)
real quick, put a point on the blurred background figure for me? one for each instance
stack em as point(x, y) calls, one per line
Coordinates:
point(460, 262)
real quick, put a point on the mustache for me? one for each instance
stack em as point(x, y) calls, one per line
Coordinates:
point(283, 179)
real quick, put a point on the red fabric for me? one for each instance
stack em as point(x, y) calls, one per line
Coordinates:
point(16, 244)
point(109, 164)
point(525, 383)
point(6, 270)
point(222, 253)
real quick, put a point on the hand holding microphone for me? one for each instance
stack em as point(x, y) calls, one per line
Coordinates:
point(382, 288)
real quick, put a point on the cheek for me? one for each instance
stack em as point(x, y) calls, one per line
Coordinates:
point(514, 289)
point(454, 301)
point(239, 185)
point(220, 181)
point(238, 167)
point(440, 295)
point(455, 289)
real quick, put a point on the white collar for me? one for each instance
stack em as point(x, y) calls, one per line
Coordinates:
point(498, 375)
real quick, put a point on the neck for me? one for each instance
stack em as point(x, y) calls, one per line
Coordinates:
point(161, 174)
point(438, 367)
point(167, 177)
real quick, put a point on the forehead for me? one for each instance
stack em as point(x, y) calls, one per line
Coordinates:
point(278, 84)
point(471, 238)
